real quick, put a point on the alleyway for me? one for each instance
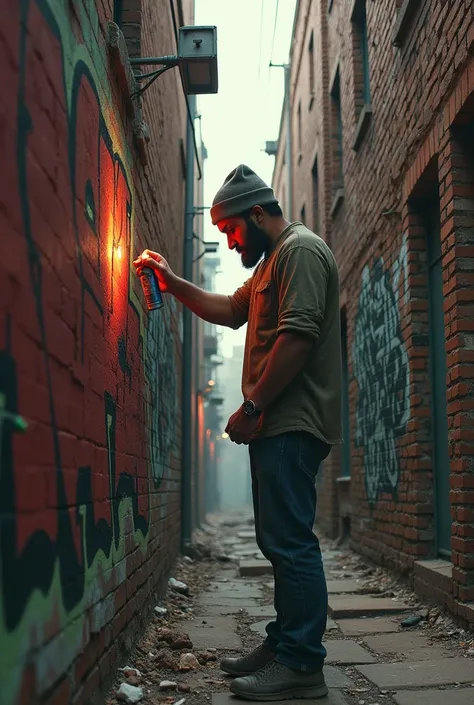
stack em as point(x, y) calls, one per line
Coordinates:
point(384, 646)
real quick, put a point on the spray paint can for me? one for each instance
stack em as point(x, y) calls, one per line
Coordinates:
point(151, 289)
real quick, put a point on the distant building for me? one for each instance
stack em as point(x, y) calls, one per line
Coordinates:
point(382, 167)
point(234, 470)
point(212, 396)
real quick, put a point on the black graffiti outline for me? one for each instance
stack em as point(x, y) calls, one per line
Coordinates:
point(381, 407)
point(33, 569)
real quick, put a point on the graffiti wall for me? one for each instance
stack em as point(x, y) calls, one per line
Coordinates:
point(91, 374)
point(381, 370)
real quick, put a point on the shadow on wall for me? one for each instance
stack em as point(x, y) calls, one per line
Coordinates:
point(79, 359)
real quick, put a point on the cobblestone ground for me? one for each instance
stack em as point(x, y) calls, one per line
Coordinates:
point(384, 646)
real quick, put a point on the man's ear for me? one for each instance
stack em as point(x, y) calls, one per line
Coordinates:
point(257, 213)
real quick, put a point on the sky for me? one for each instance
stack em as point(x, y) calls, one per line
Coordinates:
point(245, 113)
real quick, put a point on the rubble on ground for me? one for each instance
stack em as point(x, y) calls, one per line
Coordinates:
point(129, 693)
point(188, 662)
point(166, 663)
point(176, 639)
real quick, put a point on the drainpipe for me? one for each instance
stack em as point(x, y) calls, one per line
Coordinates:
point(187, 369)
point(289, 140)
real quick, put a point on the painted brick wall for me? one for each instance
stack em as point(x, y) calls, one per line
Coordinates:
point(89, 494)
point(408, 170)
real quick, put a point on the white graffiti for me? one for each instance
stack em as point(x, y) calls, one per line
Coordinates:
point(382, 373)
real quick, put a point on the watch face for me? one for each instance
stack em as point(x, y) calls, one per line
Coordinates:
point(249, 407)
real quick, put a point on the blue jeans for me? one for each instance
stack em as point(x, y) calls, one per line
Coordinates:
point(284, 470)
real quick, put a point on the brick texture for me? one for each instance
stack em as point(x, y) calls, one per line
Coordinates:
point(90, 492)
point(407, 174)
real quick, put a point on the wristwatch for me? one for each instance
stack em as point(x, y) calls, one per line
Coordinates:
point(250, 409)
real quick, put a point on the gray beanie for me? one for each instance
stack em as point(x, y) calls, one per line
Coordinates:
point(241, 190)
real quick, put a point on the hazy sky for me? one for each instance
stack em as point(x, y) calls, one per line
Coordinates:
point(237, 121)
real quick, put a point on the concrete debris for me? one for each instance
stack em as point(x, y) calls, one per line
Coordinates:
point(129, 693)
point(133, 680)
point(130, 671)
point(191, 609)
point(198, 550)
point(188, 662)
point(167, 685)
point(178, 586)
point(175, 639)
point(184, 688)
point(206, 656)
point(166, 661)
point(411, 621)
point(223, 558)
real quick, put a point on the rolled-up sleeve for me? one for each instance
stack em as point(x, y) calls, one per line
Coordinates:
point(240, 302)
point(302, 278)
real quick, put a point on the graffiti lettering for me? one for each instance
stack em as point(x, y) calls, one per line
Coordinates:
point(382, 373)
point(79, 358)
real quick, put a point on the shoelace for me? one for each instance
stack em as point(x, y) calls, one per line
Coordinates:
point(268, 671)
point(262, 649)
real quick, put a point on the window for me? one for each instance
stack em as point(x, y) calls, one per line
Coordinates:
point(303, 215)
point(316, 224)
point(361, 55)
point(336, 134)
point(346, 426)
point(299, 128)
point(407, 10)
point(311, 70)
point(360, 49)
point(118, 12)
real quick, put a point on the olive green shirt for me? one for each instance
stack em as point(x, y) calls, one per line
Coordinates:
point(295, 289)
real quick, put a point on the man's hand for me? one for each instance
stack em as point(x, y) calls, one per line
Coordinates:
point(242, 428)
point(163, 272)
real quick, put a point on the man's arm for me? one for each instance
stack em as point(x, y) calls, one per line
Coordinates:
point(231, 311)
point(215, 308)
point(286, 359)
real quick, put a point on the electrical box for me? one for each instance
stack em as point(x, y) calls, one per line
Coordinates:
point(197, 55)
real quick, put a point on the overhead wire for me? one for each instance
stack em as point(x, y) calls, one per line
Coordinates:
point(274, 29)
point(264, 93)
point(272, 48)
point(262, 7)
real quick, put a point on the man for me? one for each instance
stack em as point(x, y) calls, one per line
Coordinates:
point(290, 416)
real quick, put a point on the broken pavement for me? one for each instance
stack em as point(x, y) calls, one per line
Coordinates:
point(226, 600)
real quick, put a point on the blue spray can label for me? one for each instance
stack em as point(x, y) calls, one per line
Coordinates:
point(151, 289)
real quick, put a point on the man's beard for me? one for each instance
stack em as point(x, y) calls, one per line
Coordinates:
point(256, 245)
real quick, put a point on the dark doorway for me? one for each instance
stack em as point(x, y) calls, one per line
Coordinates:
point(346, 428)
point(437, 343)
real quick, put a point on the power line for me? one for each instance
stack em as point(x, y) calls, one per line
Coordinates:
point(262, 5)
point(274, 29)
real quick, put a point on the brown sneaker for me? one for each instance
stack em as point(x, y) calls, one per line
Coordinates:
point(247, 665)
point(278, 682)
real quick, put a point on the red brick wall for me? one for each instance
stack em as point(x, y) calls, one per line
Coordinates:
point(89, 494)
point(413, 149)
